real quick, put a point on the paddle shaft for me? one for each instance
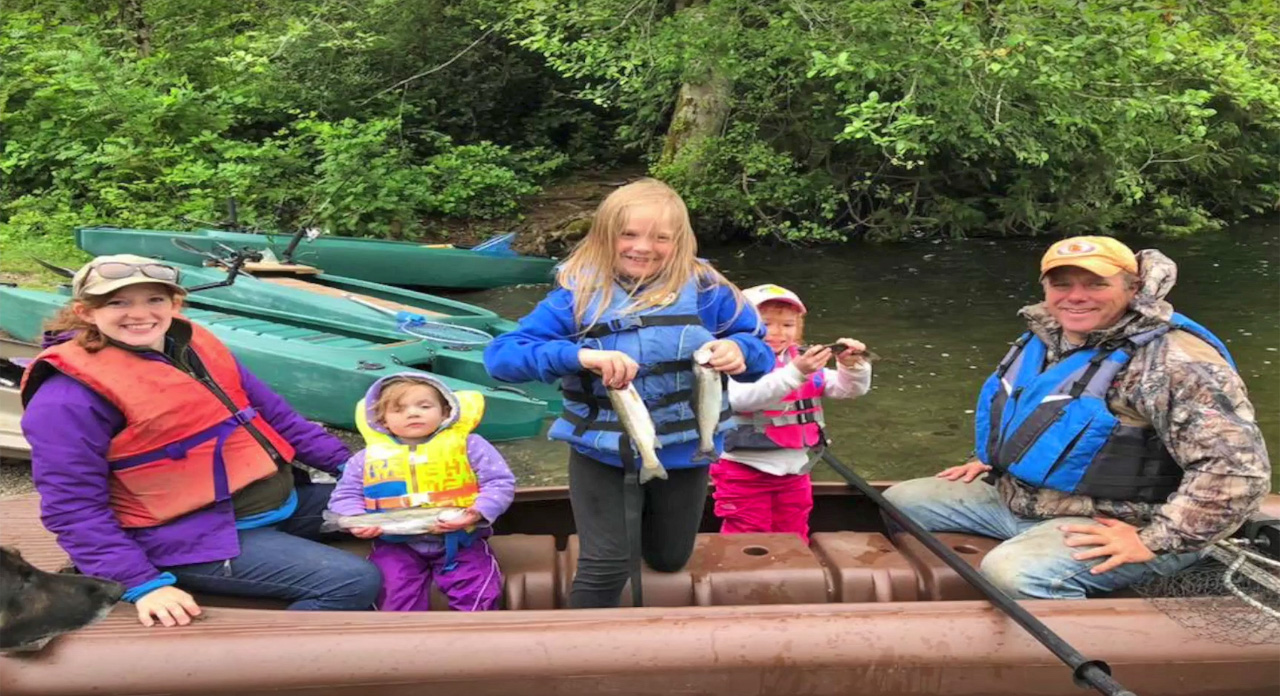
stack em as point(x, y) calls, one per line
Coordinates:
point(1091, 673)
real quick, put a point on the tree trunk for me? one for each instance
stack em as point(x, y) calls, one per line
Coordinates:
point(701, 106)
point(135, 21)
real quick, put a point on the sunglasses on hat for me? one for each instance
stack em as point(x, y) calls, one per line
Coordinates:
point(115, 270)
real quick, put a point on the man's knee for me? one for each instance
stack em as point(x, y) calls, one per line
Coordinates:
point(915, 493)
point(1022, 573)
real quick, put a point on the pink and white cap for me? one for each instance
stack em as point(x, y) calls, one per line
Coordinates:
point(769, 292)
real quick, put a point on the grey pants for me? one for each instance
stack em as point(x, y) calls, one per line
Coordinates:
point(672, 512)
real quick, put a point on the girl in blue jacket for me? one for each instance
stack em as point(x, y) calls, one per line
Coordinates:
point(633, 304)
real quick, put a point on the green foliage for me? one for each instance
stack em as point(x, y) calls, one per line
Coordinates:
point(283, 107)
point(880, 118)
point(901, 118)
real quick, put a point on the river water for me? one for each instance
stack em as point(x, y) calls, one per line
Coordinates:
point(941, 314)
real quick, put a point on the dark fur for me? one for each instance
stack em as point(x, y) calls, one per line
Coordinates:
point(35, 606)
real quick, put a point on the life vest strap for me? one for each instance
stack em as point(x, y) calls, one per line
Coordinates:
point(630, 323)
point(603, 403)
point(179, 449)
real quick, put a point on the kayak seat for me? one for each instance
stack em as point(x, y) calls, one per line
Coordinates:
point(865, 567)
point(726, 570)
point(938, 582)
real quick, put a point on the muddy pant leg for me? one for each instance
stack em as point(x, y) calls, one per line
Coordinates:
point(672, 515)
point(595, 491)
point(792, 504)
point(742, 505)
point(406, 577)
point(950, 506)
point(1037, 564)
point(475, 583)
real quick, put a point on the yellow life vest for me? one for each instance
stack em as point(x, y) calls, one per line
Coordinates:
point(435, 473)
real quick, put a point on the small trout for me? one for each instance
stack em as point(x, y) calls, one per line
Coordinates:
point(639, 425)
point(417, 520)
point(708, 393)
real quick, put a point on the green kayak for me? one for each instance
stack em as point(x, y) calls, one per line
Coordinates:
point(303, 300)
point(321, 365)
point(381, 261)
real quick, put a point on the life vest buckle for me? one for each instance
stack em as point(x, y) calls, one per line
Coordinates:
point(624, 324)
point(245, 415)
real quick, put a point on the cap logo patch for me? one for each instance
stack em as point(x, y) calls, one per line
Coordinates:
point(1077, 249)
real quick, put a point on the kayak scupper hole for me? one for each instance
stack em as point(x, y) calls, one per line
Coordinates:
point(756, 551)
point(965, 548)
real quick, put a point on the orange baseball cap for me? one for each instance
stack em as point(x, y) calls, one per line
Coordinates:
point(1104, 256)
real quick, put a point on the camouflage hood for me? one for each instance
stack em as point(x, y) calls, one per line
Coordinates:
point(1148, 310)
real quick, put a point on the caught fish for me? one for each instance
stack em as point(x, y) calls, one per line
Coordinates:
point(639, 425)
point(838, 348)
point(416, 520)
point(708, 394)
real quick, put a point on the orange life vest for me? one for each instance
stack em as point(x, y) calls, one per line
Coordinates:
point(182, 447)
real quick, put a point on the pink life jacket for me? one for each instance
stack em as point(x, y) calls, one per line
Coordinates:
point(793, 422)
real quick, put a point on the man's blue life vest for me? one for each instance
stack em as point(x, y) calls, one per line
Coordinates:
point(662, 340)
point(1051, 428)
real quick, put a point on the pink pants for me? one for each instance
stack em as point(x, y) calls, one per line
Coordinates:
point(749, 500)
point(474, 584)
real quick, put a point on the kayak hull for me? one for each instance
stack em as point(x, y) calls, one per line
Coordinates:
point(381, 261)
point(318, 368)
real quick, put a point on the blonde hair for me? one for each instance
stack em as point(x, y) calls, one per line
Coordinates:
point(589, 271)
point(787, 307)
point(87, 335)
point(395, 388)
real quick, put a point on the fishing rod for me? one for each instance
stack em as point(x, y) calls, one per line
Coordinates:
point(1094, 674)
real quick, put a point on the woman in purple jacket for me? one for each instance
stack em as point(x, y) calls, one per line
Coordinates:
point(164, 465)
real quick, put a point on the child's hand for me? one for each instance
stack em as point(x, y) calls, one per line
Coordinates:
point(365, 532)
point(854, 353)
point(616, 369)
point(812, 360)
point(462, 521)
point(726, 356)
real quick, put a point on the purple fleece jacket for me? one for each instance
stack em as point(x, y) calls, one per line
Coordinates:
point(497, 483)
point(70, 429)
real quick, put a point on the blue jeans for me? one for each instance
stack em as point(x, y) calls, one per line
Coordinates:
point(1033, 562)
point(283, 562)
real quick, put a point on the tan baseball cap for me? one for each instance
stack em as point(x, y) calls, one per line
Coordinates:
point(1104, 256)
point(106, 274)
point(769, 292)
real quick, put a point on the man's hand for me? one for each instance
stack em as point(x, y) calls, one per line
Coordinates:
point(1111, 538)
point(966, 472)
point(366, 532)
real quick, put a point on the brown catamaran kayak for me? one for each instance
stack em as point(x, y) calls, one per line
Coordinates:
point(752, 615)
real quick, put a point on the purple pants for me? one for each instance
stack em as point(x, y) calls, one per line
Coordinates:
point(474, 584)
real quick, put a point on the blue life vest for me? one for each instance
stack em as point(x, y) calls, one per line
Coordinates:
point(662, 340)
point(1051, 428)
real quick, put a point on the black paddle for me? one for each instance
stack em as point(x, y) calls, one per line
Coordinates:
point(1087, 673)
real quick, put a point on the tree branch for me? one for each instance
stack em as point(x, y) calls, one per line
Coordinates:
point(438, 68)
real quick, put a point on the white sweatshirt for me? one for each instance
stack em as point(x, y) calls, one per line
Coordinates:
point(840, 383)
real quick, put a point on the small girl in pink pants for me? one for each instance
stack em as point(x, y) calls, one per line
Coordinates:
point(762, 480)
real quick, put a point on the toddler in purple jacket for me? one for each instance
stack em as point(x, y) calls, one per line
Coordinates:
point(420, 452)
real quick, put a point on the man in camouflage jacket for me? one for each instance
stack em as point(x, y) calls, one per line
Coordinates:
point(1065, 545)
